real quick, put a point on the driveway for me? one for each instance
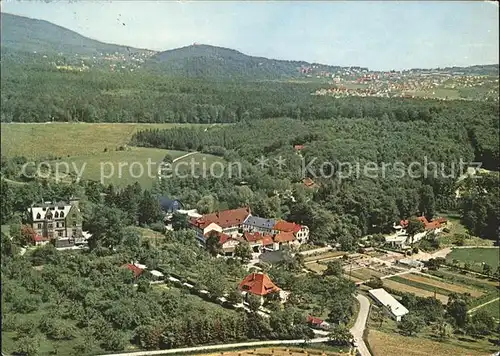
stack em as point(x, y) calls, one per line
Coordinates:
point(359, 327)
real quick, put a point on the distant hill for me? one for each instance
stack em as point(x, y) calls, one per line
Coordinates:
point(22, 34)
point(210, 61)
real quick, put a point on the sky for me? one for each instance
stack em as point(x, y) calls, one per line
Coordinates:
point(379, 35)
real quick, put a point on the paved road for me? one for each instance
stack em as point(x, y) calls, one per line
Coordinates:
point(183, 156)
point(221, 347)
point(359, 327)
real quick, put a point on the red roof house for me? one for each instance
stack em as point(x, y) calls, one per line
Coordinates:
point(298, 147)
point(258, 284)
point(286, 226)
point(284, 236)
point(429, 225)
point(224, 219)
point(135, 270)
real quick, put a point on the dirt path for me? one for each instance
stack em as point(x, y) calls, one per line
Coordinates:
point(482, 305)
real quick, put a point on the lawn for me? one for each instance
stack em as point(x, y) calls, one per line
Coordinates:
point(36, 141)
point(493, 309)
point(121, 168)
point(476, 256)
point(455, 226)
point(364, 273)
point(442, 286)
point(383, 344)
point(316, 267)
point(402, 287)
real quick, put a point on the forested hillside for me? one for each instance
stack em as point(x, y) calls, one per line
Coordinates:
point(218, 62)
point(346, 205)
point(26, 35)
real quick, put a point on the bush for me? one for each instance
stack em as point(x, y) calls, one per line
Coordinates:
point(158, 227)
point(415, 250)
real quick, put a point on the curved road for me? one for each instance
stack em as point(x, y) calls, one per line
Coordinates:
point(359, 327)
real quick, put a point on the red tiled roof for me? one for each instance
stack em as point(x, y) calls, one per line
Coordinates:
point(252, 236)
point(308, 182)
point(284, 236)
point(267, 240)
point(313, 320)
point(225, 218)
point(298, 147)
point(259, 284)
point(136, 270)
point(428, 225)
point(286, 226)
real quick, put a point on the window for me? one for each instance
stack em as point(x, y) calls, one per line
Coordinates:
point(61, 215)
point(61, 224)
point(59, 233)
point(51, 226)
point(57, 224)
point(74, 223)
point(56, 215)
point(39, 226)
point(38, 216)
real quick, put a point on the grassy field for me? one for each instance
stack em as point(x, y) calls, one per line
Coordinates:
point(316, 349)
point(476, 256)
point(493, 309)
point(121, 168)
point(365, 273)
point(476, 281)
point(56, 140)
point(441, 285)
point(402, 287)
point(383, 344)
point(455, 226)
point(316, 267)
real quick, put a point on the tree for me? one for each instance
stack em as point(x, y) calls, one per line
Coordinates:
point(487, 269)
point(334, 268)
point(375, 283)
point(206, 204)
point(149, 209)
point(28, 345)
point(414, 227)
point(340, 335)
point(442, 329)
point(179, 221)
point(106, 226)
point(212, 243)
point(427, 202)
point(243, 251)
point(254, 302)
point(168, 158)
point(235, 297)
point(481, 323)
point(409, 324)
point(457, 309)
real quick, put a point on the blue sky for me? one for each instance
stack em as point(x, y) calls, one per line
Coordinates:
point(378, 35)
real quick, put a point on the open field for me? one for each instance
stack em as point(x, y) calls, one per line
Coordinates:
point(135, 164)
point(434, 282)
point(319, 349)
point(401, 287)
point(455, 226)
point(492, 308)
point(476, 256)
point(35, 141)
point(477, 281)
point(364, 273)
point(316, 267)
point(383, 344)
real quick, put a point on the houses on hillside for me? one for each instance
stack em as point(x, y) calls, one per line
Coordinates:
point(236, 226)
point(401, 239)
point(60, 222)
